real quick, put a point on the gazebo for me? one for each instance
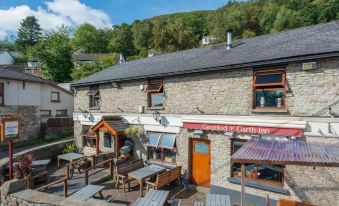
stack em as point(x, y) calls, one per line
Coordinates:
point(113, 129)
point(285, 152)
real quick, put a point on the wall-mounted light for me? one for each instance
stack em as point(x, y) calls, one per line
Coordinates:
point(156, 116)
point(141, 87)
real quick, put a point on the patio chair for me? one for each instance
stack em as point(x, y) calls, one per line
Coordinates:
point(79, 165)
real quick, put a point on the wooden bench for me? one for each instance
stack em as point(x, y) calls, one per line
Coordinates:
point(165, 178)
point(122, 171)
point(88, 192)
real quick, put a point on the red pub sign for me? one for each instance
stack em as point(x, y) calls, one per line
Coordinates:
point(246, 129)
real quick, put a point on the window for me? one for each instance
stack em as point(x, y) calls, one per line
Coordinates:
point(2, 94)
point(155, 91)
point(94, 97)
point(269, 89)
point(45, 113)
point(161, 147)
point(267, 174)
point(55, 96)
point(108, 140)
point(61, 113)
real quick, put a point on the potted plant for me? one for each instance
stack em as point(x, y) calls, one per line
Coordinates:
point(131, 132)
point(69, 148)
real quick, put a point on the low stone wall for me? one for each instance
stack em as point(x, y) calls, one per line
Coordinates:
point(14, 194)
point(49, 151)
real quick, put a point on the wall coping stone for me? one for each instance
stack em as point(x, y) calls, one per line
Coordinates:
point(11, 186)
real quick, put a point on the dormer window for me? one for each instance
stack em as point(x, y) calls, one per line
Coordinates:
point(155, 92)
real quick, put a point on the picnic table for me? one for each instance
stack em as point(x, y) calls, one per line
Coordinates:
point(218, 200)
point(70, 157)
point(154, 197)
point(88, 192)
point(142, 174)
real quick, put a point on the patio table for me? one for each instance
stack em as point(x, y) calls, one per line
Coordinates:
point(70, 157)
point(142, 174)
point(88, 192)
point(218, 200)
point(154, 197)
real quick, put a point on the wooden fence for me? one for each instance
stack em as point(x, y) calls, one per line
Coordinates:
point(60, 122)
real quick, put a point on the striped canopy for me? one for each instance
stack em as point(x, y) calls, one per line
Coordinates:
point(287, 152)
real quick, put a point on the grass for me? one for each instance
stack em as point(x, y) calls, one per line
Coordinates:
point(39, 141)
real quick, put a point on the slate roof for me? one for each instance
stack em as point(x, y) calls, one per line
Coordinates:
point(86, 57)
point(305, 43)
point(6, 73)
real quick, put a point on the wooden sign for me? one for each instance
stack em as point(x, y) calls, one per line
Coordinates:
point(246, 129)
point(9, 129)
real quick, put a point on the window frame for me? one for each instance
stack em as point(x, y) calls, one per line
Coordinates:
point(46, 110)
point(259, 181)
point(162, 149)
point(2, 93)
point(154, 91)
point(269, 87)
point(64, 110)
point(58, 99)
point(92, 96)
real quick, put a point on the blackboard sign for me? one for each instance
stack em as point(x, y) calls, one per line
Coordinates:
point(107, 140)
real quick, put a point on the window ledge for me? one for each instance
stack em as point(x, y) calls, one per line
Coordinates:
point(155, 108)
point(254, 184)
point(268, 110)
point(94, 108)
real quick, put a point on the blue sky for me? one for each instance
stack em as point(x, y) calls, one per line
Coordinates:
point(130, 10)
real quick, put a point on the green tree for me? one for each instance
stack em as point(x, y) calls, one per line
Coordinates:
point(29, 33)
point(142, 35)
point(84, 70)
point(88, 39)
point(54, 53)
point(122, 40)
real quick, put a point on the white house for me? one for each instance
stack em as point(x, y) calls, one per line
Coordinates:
point(6, 58)
point(33, 99)
point(206, 40)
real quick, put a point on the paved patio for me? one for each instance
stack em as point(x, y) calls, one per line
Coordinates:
point(188, 194)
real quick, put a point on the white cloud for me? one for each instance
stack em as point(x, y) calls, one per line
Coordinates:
point(57, 13)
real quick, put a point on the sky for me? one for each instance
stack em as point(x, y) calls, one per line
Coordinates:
point(100, 13)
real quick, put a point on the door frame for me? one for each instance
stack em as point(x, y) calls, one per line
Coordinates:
point(191, 156)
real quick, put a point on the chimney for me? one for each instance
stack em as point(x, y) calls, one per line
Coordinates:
point(121, 58)
point(229, 39)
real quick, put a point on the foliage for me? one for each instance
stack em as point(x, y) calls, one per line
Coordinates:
point(5, 43)
point(131, 131)
point(29, 33)
point(54, 54)
point(24, 168)
point(88, 39)
point(85, 69)
point(69, 148)
point(122, 40)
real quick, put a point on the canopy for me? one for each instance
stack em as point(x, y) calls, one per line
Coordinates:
point(287, 152)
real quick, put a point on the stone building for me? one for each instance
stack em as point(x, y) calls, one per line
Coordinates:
point(195, 108)
point(33, 100)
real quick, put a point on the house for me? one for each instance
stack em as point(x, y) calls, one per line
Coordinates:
point(80, 58)
point(34, 100)
point(206, 40)
point(197, 107)
point(6, 57)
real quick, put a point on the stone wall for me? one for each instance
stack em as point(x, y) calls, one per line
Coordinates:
point(14, 194)
point(29, 123)
point(309, 93)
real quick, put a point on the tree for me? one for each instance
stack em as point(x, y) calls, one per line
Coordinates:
point(122, 40)
point(142, 35)
point(84, 70)
point(88, 39)
point(54, 53)
point(29, 33)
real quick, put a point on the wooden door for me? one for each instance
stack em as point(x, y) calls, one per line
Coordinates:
point(200, 162)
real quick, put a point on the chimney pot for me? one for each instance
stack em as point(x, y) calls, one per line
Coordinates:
point(229, 39)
